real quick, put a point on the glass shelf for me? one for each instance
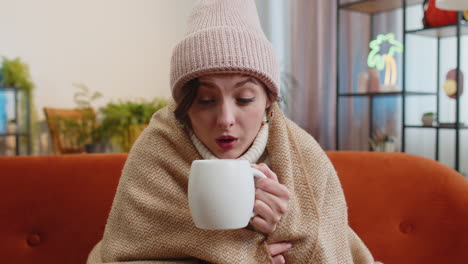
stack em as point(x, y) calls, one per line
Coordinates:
point(436, 127)
point(8, 88)
point(377, 6)
point(441, 32)
point(387, 94)
point(14, 134)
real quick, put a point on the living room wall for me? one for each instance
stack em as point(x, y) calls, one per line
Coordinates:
point(120, 48)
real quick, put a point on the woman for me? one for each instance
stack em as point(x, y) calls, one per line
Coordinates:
point(224, 79)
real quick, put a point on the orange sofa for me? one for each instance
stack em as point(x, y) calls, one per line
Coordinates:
point(407, 209)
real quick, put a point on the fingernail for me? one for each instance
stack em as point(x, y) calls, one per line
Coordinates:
point(289, 245)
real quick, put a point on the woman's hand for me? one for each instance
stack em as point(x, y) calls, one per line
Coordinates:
point(277, 250)
point(271, 200)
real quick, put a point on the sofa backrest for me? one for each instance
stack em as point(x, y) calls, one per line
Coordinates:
point(53, 209)
point(407, 209)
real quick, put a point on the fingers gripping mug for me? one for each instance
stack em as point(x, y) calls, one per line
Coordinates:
point(221, 193)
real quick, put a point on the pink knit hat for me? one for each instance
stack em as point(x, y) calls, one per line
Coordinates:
point(224, 36)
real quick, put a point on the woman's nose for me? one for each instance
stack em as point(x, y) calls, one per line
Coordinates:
point(226, 117)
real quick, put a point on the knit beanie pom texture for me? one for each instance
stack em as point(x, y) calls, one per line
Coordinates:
point(224, 36)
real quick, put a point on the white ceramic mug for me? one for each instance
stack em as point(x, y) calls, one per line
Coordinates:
point(222, 193)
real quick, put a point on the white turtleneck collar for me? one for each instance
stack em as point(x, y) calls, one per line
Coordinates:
point(252, 155)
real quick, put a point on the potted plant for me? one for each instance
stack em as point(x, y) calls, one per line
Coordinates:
point(15, 74)
point(428, 118)
point(123, 121)
point(382, 141)
point(11, 127)
point(92, 133)
point(81, 129)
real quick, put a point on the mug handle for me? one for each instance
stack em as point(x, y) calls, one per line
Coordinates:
point(258, 174)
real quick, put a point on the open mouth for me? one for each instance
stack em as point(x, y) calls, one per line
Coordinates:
point(226, 142)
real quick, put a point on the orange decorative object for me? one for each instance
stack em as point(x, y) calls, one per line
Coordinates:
point(407, 209)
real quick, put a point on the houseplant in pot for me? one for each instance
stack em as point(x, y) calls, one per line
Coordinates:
point(93, 133)
point(76, 129)
point(428, 118)
point(123, 121)
point(79, 128)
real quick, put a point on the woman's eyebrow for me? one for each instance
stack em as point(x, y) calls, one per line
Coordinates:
point(250, 79)
point(207, 84)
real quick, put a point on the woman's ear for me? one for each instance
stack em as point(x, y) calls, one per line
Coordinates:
point(268, 103)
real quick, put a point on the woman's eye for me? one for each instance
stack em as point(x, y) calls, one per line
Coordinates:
point(245, 100)
point(205, 101)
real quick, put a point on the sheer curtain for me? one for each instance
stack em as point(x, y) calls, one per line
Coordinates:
point(303, 33)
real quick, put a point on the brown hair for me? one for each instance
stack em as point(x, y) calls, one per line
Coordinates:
point(189, 92)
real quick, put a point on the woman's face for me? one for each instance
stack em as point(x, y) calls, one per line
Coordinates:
point(227, 113)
